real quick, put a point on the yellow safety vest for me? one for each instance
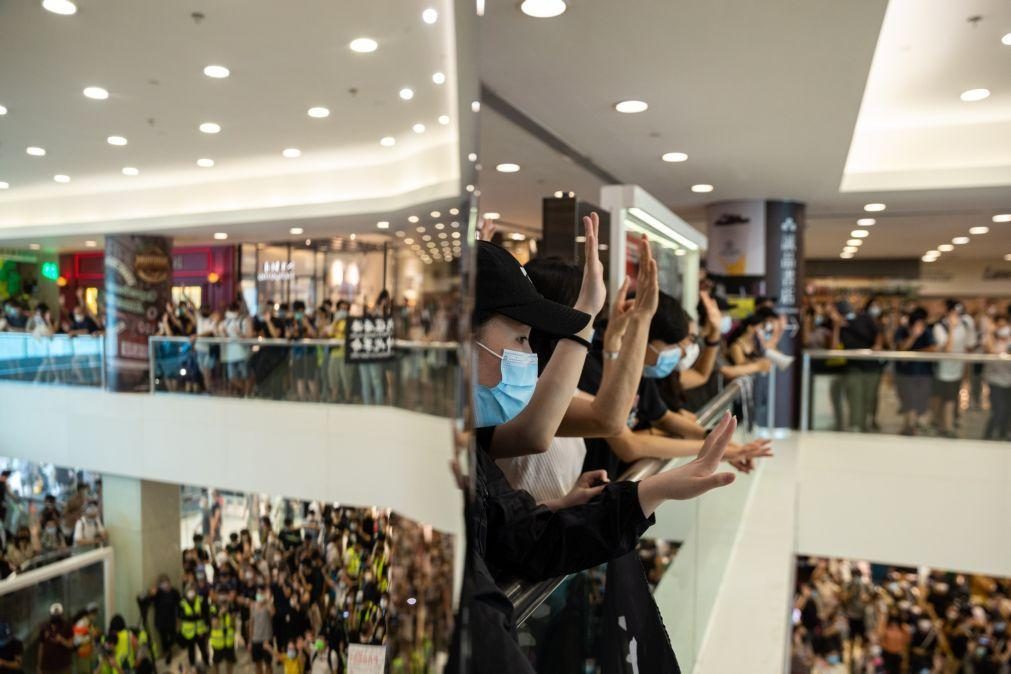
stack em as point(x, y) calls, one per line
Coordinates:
point(189, 625)
point(223, 636)
point(124, 648)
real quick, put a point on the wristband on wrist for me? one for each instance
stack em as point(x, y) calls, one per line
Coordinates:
point(611, 355)
point(715, 342)
point(578, 340)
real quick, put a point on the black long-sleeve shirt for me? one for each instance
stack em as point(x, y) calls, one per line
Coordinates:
point(510, 536)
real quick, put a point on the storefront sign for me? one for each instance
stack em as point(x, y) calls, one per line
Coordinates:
point(736, 238)
point(369, 339)
point(138, 272)
point(366, 659)
point(276, 270)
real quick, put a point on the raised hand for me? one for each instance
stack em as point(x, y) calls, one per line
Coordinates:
point(647, 284)
point(713, 314)
point(621, 314)
point(593, 291)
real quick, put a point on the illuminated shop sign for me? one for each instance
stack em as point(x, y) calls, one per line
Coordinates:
point(276, 270)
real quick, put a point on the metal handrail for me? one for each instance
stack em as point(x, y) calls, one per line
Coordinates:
point(526, 597)
point(916, 356)
point(276, 341)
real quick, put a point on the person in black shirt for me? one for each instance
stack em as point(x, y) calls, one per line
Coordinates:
point(508, 534)
point(290, 536)
point(913, 379)
point(11, 651)
point(860, 331)
point(165, 600)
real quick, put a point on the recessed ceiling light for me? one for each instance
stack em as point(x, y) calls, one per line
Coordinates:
point(542, 9)
point(420, 229)
point(383, 224)
point(412, 219)
point(61, 178)
point(702, 188)
point(1006, 39)
point(973, 95)
point(443, 235)
point(850, 249)
point(933, 253)
point(63, 7)
point(363, 45)
point(874, 208)
point(674, 157)
point(116, 140)
point(1002, 217)
point(296, 231)
point(867, 222)
point(220, 236)
point(475, 106)
point(3, 110)
point(960, 240)
point(470, 188)
point(418, 128)
point(430, 16)
point(855, 242)
point(130, 171)
point(946, 248)
point(1007, 258)
point(426, 237)
point(217, 72)
point(559, 194)
point(507, 168)
point(407, 93)
point(4, 185)
point(440, 225)
point(454, 224)
point(387, 141)
point(318, 112)
point(492, 216)
point(631, 106)
point(210, 127)
point(435, 214)
point(96, 93)
point(472, 156)
point(439, 77)
point(444, 119)
point(90, 244)
point(982, 229)
point(860, 234)
point(36, 151)
point(929, 258)
point(291, 153)
point(846, 256)
point(34, 246)
point(204, 162)
point(455, 235)
point(454, 211)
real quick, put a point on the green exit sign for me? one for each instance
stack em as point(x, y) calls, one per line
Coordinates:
point(50, 270)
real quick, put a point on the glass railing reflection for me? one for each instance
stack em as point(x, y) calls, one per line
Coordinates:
point(910, 393)
point(420, 376)
point(53, 359)
point(560, 620)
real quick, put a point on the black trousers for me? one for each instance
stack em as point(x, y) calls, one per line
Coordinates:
point(166, 639)
point(192, 645)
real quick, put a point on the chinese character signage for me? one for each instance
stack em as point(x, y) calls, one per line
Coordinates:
point(368, 339)
point(366, 659)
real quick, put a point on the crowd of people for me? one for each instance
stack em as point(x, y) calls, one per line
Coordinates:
point(298, 596)
point(567, 395)
point(38, 319)
point(313, 371)
point(928, 392)
point(864, 618)
point(33, 533)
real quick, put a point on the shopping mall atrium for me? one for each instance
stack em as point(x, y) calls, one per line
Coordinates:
point(482, 336)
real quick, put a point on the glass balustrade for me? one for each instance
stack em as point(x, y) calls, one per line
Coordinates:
point(910, 393)
point(419, 376)
point(55, 359)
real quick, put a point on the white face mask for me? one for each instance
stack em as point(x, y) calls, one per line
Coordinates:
point(1004, 332)
point(691, 355)
point(231, 315)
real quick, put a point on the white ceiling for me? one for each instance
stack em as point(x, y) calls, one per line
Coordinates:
point(914, 132)
point(284, 58)
point(763, 97)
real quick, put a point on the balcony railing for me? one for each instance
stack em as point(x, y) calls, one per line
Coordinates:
point(961, 395)
point(56, 359)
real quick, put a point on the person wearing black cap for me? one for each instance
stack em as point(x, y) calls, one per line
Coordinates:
point(508, 534)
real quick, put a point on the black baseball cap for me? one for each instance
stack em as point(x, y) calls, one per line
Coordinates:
point(503, 287)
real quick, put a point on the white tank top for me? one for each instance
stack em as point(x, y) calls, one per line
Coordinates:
point(550, 475)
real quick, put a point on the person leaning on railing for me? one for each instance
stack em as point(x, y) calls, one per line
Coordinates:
point(517, 412)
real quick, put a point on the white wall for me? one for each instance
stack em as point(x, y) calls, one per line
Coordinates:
point(357, 455)
point(942, 503)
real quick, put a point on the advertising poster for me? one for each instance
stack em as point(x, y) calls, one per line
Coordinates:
point(368, 339)
point(736, 238)
point(366, 659)
point(138, 285)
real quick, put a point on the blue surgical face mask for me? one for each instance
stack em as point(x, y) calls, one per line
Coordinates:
point(495, 406)
point(666, 361)
point(726, 323)
point(833, 659)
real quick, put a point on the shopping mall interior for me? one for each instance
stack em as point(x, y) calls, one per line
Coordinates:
point(505, 336)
